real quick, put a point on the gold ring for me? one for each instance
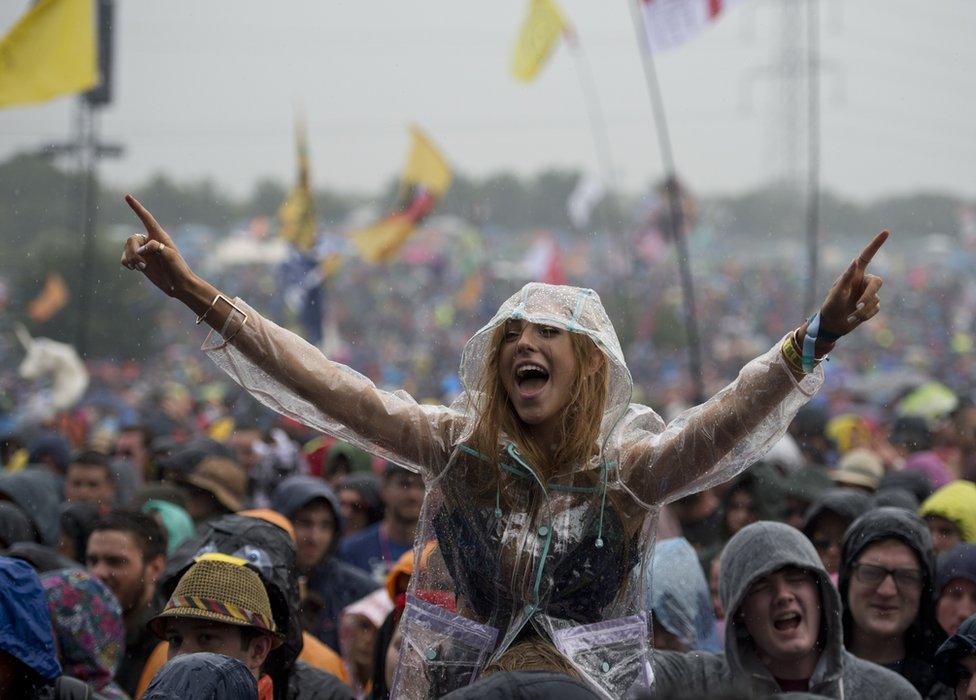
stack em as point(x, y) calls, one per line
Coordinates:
point(162, 247)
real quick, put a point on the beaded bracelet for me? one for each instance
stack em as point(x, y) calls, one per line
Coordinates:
point(792, 355)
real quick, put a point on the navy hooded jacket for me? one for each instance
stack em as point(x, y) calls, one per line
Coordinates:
point(331, 584)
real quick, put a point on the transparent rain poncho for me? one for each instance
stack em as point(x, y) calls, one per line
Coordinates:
point(561, 558)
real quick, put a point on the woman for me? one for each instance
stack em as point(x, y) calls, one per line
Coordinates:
point(950, 513)
point(543, 481)
point(88, 627)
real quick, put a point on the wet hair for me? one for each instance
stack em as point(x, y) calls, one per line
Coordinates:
point(92, 458)
point(149, 535)
point(145, 432)
point(76, 521)
point(581, 418)
point(532, 654)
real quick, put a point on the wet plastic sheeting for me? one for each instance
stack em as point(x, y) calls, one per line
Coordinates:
point(504, 548)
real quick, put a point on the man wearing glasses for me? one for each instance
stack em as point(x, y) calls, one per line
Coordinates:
point(886, 577)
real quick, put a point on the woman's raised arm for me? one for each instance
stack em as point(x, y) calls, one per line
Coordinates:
point(287, 373)
point(709, 444)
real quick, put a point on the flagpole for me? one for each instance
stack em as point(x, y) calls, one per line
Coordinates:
point(594, 113)
point(813, 153)
point(676, 218)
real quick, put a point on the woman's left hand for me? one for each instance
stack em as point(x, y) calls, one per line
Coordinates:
point(853, 298)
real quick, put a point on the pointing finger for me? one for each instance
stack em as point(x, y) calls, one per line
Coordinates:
point(873, 247)
point(147, 219)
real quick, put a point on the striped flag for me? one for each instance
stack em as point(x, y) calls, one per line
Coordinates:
point(670, 23)
point(424, 181)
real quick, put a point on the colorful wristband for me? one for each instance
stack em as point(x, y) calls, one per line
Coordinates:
point(810, 343)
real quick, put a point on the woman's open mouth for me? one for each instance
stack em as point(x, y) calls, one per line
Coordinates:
point(531, 379)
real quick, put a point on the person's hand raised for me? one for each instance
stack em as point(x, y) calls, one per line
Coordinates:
point(853, 299)
point(154, 253)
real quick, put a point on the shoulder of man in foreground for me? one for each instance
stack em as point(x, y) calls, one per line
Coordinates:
point(307, 683)
point(692, 671)
point(863, 679)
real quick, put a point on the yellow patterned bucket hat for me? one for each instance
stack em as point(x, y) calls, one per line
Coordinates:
point(222, 589)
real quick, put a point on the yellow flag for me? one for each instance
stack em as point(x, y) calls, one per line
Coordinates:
point(381, 241)
point(297, 213)
point(425, 178)
point(543, 26)
point(49, 52)
point(52, 299)
point(426, 166)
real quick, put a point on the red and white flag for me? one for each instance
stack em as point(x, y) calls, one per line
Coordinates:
point(670, 23)
point(544, 260)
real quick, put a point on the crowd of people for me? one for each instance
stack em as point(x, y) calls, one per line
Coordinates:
point(851, 548)
point(173, 537)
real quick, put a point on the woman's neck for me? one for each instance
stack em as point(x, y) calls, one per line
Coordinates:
point(879, 649)
point(544, 436)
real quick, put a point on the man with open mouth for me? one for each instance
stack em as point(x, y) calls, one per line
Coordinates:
point(783, 629)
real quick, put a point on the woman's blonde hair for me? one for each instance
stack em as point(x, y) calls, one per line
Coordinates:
point(579, 432)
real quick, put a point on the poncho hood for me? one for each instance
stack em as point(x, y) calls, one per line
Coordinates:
point(956, 502)
point(574, 309)
point(678, 595)
point(25, 625)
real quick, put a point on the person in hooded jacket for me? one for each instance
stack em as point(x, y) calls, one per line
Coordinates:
point(955, 661)
point(915, 482)
point(683, 619)
point(543, 482)
point(359, 497)
point(783, 629)
point(29, 666)
point(270, 551)
point(826, 521)
point(88, 627)
point(15, 526)
point(885, 582)
point(955, 587)
point(203, 676)
point(951, 515)
point(331, 585)
point(35, 492)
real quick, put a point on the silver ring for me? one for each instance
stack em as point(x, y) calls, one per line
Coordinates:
point(143, 236)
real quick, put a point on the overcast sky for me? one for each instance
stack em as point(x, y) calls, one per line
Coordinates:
point(208, 89)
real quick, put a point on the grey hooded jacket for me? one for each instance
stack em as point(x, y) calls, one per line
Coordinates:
point(757, 551)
